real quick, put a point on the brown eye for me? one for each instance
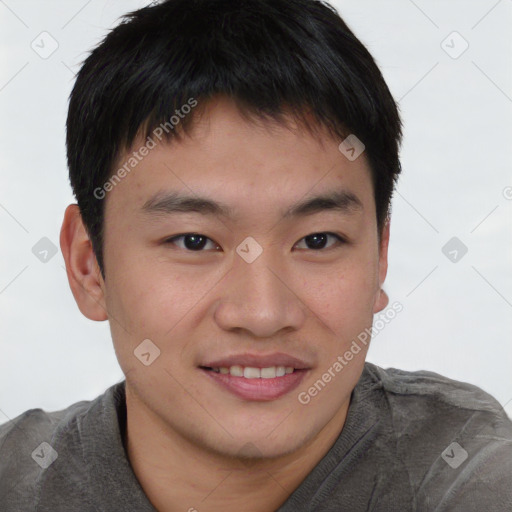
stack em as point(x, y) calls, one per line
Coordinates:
point(192, 242)
point(318, 241)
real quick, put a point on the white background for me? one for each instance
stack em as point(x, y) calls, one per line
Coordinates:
point(457, 317)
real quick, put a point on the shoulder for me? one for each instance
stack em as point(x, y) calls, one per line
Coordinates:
point(427, 386)
point(453, 438)
point(433, 404)
point(26, 450)
point(36, 423)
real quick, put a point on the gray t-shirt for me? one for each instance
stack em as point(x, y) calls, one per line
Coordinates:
point(412, 441)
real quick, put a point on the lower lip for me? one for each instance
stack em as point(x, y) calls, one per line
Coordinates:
point(258, 389)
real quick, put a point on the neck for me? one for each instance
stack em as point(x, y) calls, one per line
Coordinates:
point(178, 475)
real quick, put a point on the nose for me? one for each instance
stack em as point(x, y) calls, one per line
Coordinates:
point(259, 298)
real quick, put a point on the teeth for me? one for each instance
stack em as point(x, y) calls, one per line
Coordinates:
point(268, 373)
point(250, 372)
point(236, 371)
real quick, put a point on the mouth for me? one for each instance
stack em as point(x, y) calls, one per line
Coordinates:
point(257, 378)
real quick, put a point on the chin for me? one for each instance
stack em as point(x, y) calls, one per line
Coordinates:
point(255, 446)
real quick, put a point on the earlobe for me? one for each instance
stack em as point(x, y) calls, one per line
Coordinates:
point(82, 269)
point(381, 302)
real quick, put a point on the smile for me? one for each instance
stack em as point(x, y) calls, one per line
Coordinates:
point(257, 377)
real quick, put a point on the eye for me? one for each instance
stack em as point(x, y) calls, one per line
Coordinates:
point(318, 241)
point(192, 242)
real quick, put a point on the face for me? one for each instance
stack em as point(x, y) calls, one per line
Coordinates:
point(256, 280)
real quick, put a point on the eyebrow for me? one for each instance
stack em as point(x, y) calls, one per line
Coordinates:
point(342, 201)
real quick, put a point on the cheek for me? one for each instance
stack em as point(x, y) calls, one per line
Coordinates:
point(159, 301)
point(343, 298)
point(144, 308)
point(151, 302)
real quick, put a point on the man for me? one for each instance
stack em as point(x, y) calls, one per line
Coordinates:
point(233, 164)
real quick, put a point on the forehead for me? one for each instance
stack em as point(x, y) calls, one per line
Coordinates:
point(241, 162)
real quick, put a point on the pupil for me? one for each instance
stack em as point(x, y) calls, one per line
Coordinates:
point(195, 242)
point(316, 241)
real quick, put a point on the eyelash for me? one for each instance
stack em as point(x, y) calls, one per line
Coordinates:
point(339, 239)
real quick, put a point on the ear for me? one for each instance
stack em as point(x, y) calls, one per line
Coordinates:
point(82, 268)
point(382, 299)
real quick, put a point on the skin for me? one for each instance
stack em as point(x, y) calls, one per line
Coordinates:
point(192, 444)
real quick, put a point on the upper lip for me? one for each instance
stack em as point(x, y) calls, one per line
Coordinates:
point(259, 361)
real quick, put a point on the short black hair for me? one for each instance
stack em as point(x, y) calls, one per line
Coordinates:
point(268, 56)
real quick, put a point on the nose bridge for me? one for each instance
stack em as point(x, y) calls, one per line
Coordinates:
point(257, 298)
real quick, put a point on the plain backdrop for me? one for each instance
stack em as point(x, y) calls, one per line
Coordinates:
point(448, 63)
